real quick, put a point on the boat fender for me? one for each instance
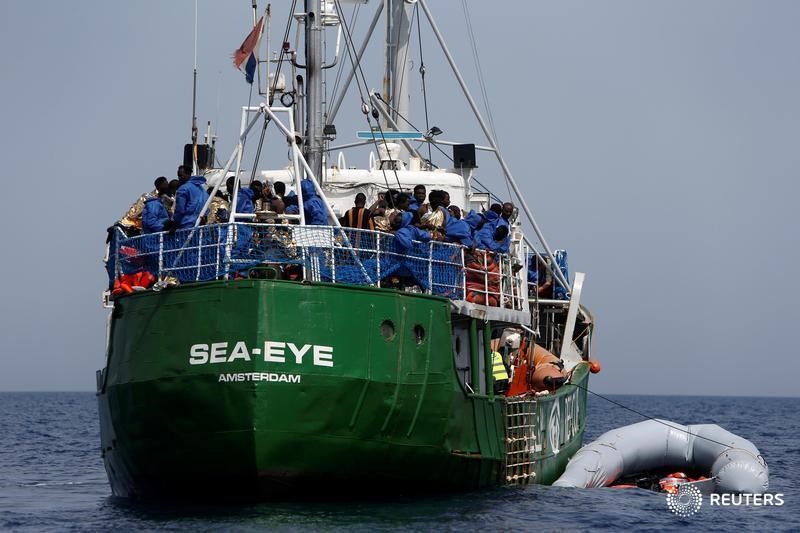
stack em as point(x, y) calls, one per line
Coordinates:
point(594, 366)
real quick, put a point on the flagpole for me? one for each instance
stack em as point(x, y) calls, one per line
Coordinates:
point(255, 21)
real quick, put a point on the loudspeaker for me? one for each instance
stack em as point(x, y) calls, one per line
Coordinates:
point(205, 156)
point(464, 156)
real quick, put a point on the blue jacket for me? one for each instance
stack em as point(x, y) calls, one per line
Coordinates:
point(507, 241)
point(313, 208)
point(189, 201)
point(154, 216)
point(244, 203)
point(458, 231)
point(473, 220)
point(484, 239)
point(491, 217)
point(408, 233)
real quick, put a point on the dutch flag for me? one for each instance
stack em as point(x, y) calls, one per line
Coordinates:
point(248, 51)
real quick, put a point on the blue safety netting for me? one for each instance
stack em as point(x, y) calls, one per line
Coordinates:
point(329, 254)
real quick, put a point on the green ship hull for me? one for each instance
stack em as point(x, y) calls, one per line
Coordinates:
point(257, 389)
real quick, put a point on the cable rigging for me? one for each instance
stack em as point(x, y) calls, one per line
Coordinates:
point(365, 107)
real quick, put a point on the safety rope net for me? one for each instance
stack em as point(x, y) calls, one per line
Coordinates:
point(318, 253)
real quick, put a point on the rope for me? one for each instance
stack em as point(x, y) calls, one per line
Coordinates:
point(260, 145)
point(648, 417)
point(481, 83)
point(424, 89)
point(340, 69)
point(282, 53)
point(353, 59)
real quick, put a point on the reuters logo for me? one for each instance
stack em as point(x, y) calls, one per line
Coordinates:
point(685, 501)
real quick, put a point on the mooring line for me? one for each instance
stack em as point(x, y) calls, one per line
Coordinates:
point(648, 417)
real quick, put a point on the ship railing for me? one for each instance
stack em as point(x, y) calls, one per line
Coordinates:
point(320, 253)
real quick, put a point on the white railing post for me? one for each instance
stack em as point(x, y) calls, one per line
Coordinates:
point(333, 255)
point(216, 260)
point(485, 278)
point(430, 267)
point(199, 252)
point(463, 275)
point(160, 253)
point(229, 248)
point(378, 258)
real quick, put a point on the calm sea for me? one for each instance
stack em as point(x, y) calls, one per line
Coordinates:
point(52, 478)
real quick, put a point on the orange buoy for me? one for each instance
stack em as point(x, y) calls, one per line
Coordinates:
point(594, 366)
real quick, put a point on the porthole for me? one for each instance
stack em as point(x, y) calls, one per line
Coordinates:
point(419, 334)
point(387, 329)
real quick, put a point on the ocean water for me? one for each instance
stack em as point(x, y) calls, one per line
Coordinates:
point(52, 479)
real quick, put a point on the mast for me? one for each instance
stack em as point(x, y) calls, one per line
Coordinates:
point(314, 144)
point(195, 169)
point(398, 61)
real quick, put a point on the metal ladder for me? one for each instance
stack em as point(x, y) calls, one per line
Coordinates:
point(521, 422)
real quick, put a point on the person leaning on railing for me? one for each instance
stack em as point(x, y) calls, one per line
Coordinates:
point(493, 238)
point(405, 232)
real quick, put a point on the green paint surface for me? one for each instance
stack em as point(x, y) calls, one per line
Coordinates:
point(382, 403)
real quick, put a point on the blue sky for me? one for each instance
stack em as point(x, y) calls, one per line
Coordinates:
point(656, 141)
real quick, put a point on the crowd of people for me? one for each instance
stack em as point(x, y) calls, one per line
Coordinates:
point(411, 218)
point(177, 204)
point(422, 216)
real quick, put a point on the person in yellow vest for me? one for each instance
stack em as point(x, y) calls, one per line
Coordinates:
point(500, 373)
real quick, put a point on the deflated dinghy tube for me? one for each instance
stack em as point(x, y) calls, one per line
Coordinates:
point(733, 462)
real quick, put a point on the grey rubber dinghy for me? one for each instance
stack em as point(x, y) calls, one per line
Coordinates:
point(732, 462)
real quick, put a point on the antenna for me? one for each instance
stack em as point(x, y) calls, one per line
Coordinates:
point(194, 96)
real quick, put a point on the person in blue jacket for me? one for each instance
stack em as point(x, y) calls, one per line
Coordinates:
point(418, 199)
point(405, 232)
point(154, 216)
point(475, 220)
point(189, 201)
point(313, 208)
point(244, 203)
point(491, 217)
point(456, 229)
point(492, 238)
